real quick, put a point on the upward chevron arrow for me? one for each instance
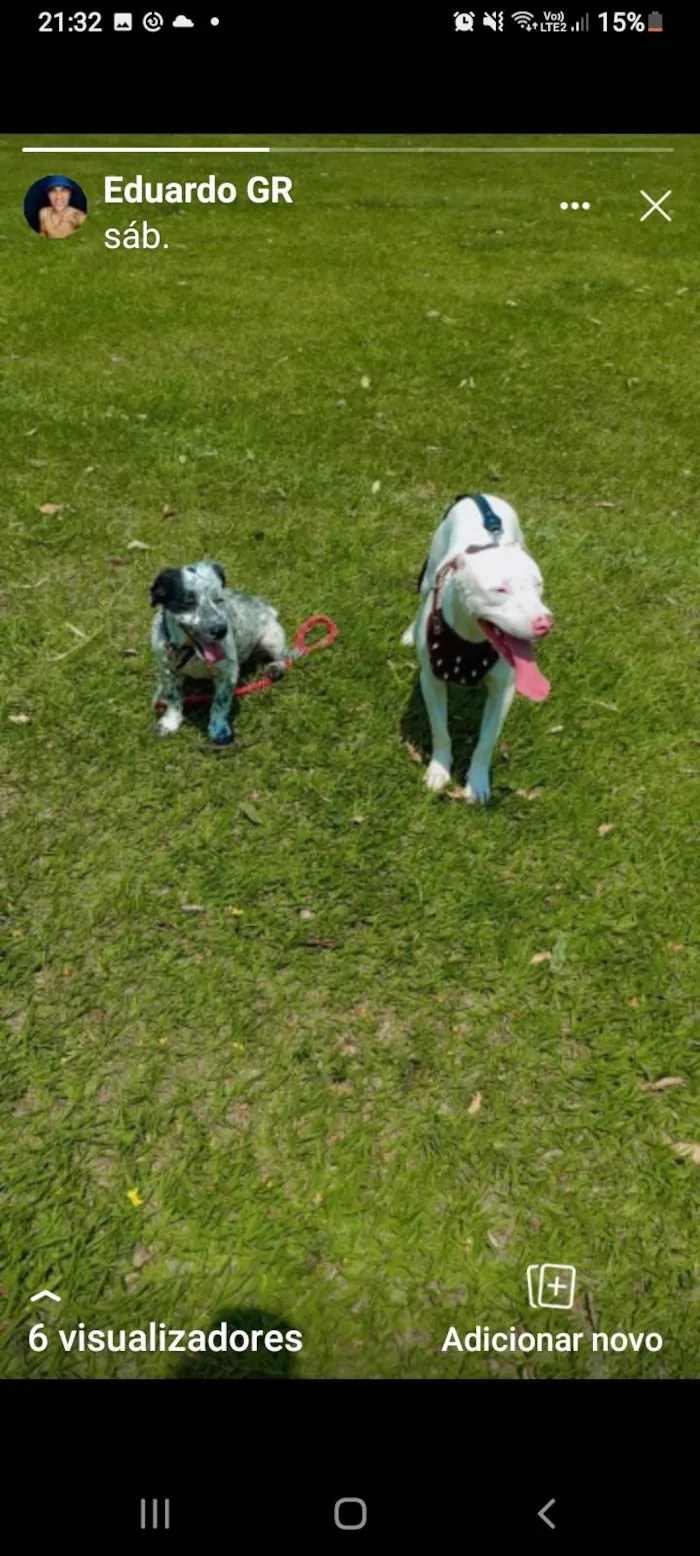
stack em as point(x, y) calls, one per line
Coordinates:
point(39, 1294)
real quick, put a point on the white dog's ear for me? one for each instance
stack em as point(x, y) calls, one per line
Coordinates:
point(219, 569)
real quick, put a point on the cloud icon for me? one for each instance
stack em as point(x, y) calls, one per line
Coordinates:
point(182, 21)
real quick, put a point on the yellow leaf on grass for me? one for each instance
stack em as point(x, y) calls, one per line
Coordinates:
point(475, 1103)
point(414, 753)
point(540, 956)
point(604, 828)
point(664, 1084)
point(134, 1197)
point(50, 508)
point(692, 1152)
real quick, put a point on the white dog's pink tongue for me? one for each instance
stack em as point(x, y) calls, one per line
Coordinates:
point(529, 680)
point(212, 652)
point(518, 653)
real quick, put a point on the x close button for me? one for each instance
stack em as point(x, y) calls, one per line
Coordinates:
point(655, 205)
point(350, 1513)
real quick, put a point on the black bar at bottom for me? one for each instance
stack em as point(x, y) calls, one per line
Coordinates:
point(388, 1462)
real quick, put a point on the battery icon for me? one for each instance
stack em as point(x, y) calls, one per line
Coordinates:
point(656, 21)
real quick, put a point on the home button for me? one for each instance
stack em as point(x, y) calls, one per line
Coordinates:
point(350, 1513)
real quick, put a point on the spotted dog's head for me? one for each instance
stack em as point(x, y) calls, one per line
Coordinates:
point(501, 587)
point(192, 599)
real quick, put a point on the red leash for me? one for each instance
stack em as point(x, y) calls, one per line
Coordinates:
point(302, 647)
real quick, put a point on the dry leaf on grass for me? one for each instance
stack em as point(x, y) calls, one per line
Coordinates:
point(365, 381)
point(168, 512)
point(306, 913)
point(321, 945)
point(117, 561)
point(413, 753)
point(475, 1103)
point(690, 1151)
point(556, 729)
point(50, 508)
point(192, 907)
point(529, 794)
point(137, 545)
point(604, 828)
point(376, 487)
point(140, 1256)
point(19, 718)
point(663, 1085)
point(676, 947)
point(608, 505)
point(540, 956)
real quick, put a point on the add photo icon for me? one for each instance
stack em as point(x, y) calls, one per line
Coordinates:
point(551, 1285)
point(55, 207)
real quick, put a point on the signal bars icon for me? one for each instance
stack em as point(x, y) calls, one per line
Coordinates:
point(583, 25)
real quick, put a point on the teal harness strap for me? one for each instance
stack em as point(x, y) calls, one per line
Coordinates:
point(491, 521)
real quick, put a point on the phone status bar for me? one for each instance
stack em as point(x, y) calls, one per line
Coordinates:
point(558, 21)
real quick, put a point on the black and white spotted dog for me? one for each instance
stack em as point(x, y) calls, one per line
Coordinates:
point(203, 629)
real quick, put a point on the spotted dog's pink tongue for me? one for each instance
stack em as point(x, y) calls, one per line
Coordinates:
point(518, 653)
point(212, 652)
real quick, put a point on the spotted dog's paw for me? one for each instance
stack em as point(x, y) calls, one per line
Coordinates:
point(276, 669)
point(477, 789)
point(170, 722)
point(220, 733)
point(437, 776)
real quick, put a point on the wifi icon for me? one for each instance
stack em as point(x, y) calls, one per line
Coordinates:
point(524, 19)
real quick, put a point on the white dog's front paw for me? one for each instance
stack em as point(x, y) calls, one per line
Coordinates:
point(437, 776)
point(170, 722)
point(477, 789)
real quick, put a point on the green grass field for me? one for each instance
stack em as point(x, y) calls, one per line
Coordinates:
point(348, 1093)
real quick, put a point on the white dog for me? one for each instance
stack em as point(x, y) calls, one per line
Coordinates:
point(481, 610)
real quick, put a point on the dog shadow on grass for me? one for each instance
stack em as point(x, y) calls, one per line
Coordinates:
point(232, 1365)
point(465, 711)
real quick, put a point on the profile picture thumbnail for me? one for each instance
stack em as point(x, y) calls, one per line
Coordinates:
point(56, 207)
